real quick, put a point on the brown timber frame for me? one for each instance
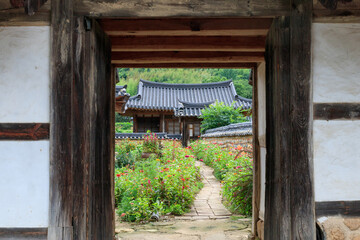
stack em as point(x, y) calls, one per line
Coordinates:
point(289, 197)
point(290, 208)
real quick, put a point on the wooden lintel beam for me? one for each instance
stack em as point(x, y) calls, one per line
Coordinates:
point(187, 27)
point(187, 65)
point(184, 57)
point(189, 43)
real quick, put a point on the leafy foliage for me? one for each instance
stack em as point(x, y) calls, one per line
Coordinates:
point(164, 185)
point(219, 114)
point(234, 168)
point(131, 77)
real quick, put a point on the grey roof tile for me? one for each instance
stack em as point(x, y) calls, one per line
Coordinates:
point(236, 129)
point(179, 97)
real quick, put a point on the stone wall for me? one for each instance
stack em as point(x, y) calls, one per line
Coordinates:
point(340, 228)
point(231, 142)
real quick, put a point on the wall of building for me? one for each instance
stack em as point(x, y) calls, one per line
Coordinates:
point(24, 98)
point(336, 61)
point(231, 142)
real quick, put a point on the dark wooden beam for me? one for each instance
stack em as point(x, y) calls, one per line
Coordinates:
point(336, 8)
point(23, 233)
point(190, 43)
point(186, 57)
point(344, 208)
point(333, 111)
point(301, 168)
point(170, 8)
point(187, 65)
point(24, 131)
point(187, 26)
point(32, 6)
point(61, 75)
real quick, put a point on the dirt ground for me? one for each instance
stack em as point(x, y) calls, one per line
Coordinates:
point(175, 229)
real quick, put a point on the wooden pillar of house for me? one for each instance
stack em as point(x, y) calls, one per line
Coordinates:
point(61, 74)
point(289, 200)
point(135, 123)
point(184, 132)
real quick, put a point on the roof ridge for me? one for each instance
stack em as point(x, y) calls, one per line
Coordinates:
point(227, 82)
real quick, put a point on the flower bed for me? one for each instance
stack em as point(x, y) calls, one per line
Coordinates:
point(167, 184)
point(234, 168)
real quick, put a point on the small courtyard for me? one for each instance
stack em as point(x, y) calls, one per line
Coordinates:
point(163, 190)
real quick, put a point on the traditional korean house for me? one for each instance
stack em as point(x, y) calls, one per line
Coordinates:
point(57, 135)
point(175, 108)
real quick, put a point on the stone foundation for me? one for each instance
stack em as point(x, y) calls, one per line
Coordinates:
point(340, 228)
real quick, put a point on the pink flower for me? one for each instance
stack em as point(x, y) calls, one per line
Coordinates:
point(123, 214)
point(149, 181)
point(201, 160)
point(187, 156)
point(238, 167)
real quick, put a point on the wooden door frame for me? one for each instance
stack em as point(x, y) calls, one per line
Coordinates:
point(61, 166)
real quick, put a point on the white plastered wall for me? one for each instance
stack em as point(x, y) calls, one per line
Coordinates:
point(336, 79)
point(24, 98)
point(261, 86)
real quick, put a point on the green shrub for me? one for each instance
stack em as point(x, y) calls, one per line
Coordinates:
point(164, 185)
point(219, 114)
point(150, 143)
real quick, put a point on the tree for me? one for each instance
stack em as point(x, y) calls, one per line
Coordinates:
point(219, 114)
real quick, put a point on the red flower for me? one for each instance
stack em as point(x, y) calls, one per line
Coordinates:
point(201, 160)
point(123, 214)
point(187, 156)
point(118, 175)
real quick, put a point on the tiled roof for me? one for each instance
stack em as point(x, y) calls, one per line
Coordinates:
point(121, 91)
point(141, 136)
point(185, 99)
point(236, 129)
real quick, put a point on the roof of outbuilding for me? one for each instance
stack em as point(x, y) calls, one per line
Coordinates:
point(236, 129)
point(185, 99)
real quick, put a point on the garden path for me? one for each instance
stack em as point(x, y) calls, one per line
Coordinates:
point(207, 220)
point(208, 202)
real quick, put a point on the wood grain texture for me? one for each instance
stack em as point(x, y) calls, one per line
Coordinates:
point(344, 208)
point(186, 65)
point(189, 43)
point(81, 130)
point(23, 233)
point(174, 8)
point(289, 201)
point(61, 167)
point(337, 111)
point(186, 57)
point(24, 131)
point(102, 111)
point(302, 167)
point(256, 155)
point(277, 197)
point(187, 26)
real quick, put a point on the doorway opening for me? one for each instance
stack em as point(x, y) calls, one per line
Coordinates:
point(189, 43)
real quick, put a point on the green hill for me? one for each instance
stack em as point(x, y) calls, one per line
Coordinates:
point(131, 77)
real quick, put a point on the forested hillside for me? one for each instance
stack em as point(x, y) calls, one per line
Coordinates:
point(131, 77)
